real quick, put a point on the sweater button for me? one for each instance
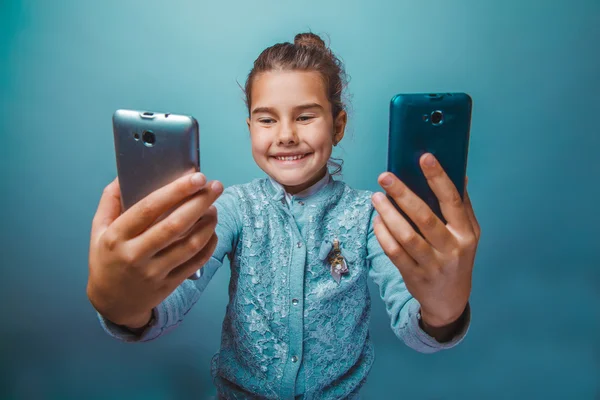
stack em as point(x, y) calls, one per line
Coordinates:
point(295, 302)
point(294, 359)
point(299, 244)
point(301, 203)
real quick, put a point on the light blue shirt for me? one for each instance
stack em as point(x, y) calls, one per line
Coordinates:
point(305, 193)
point(291, 331)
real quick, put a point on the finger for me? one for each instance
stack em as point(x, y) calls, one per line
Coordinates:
point(444, 189)
point(145, 212)
point(185, 270)
point(184, 249)
point(471, 214)
point(405, 263)
point(414, 244)
point(109, 209)
point(176, 224)
point(432, 228)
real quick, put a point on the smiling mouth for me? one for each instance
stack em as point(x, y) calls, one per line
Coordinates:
point(291, 158)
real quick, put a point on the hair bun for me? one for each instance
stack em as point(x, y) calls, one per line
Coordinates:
point(309, 40)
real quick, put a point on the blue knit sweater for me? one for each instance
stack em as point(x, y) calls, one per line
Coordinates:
point(291, 330)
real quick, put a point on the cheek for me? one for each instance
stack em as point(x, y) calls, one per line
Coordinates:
point(327, 152)
point(260, 143)
point(320, 136)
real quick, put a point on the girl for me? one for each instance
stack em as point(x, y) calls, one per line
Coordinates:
point(301, 246)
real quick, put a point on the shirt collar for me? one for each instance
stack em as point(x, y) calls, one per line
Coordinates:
point(320, 184)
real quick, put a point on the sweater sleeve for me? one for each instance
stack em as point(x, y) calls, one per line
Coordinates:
point(171, 311)
point(402, 308)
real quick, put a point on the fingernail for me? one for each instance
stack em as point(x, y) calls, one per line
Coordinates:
point(429, 160)
point(217, 187)
point(198, 179)
point(386, 181)
point(378, 197)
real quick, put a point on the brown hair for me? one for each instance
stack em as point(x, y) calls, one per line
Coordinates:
point(307, 53)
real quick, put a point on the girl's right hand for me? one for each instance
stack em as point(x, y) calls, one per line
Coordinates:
point(136, 259)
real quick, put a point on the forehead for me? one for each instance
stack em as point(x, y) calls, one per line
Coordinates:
point(281, 89)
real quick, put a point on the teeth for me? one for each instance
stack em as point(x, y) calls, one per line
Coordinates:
point(290, 158)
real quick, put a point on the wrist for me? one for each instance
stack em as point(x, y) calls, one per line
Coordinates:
point(139, 322)
point(434, 321)
point(443, 330)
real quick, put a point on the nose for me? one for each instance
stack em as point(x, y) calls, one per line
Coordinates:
point(287, 135)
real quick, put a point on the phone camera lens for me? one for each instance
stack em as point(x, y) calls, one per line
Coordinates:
point(437, 117)
point(136, 136)
point(149, 138)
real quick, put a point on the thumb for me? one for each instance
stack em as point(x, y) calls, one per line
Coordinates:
point(108, 210)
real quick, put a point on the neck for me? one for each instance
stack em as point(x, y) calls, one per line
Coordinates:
point(298, 188)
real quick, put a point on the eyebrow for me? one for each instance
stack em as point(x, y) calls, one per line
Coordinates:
point(271, 110)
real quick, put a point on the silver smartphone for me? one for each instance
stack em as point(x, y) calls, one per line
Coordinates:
point(152, 150)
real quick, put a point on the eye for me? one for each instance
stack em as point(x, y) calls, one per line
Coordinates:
point(266, 120)
point(305, 118)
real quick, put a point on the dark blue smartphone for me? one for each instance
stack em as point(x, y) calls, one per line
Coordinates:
point(436, 123)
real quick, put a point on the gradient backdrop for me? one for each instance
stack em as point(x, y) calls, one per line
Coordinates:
point(532, 68)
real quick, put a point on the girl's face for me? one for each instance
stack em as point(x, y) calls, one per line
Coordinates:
point(291, 127)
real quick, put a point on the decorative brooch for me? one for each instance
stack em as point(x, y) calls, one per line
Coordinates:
point(337, 263)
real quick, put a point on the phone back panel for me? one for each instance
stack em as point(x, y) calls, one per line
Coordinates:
point(144, 167)
point(412, 132)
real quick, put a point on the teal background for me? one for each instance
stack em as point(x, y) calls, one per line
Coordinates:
point(532, 68)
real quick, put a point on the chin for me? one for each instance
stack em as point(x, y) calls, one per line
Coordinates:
point(289, 180)
point(294, 178)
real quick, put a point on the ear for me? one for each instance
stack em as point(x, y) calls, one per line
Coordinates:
point(248, 123)
point(339, 127)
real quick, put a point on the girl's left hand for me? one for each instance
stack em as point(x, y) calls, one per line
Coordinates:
point(436, 267)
